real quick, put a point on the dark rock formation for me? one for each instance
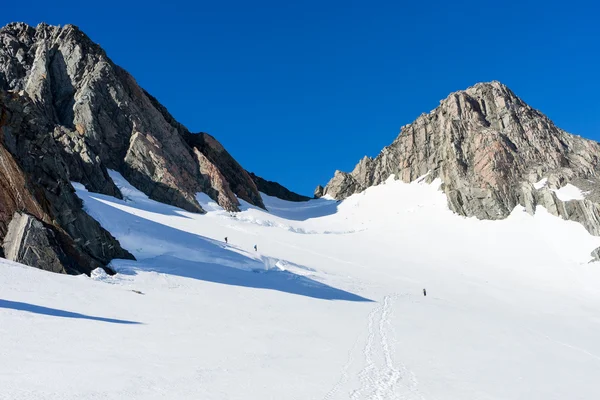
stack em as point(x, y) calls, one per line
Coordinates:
point(276, 190)
point(29, 242)
point(69, 114)
point(35, 179)
point(488, 148)
point(103, 119)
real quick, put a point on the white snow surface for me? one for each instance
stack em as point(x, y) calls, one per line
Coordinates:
point(541, 183)
point(565, 193)
point(329, 307)
point(569, 192)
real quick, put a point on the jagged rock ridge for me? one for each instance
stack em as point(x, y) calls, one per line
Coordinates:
point(488, 148)
point(108, 121)
point(274, 189)
point(69, 114)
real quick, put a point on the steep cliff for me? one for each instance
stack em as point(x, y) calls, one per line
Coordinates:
point(69, 114)
point(35, 180)
point(102, 117)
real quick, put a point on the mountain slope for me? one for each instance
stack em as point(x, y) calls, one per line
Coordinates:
point(330, 306)
point(34, 178)
point(68, 114)
point(490, 150)
point(107, 115)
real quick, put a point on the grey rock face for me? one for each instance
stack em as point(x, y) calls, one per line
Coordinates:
point(595, 255)
point(488, 148)
point(276, 190)
point(34, 179)
point(103, 119)
point(69, 114)
point(29, 242)
point(319, 192)
point(233, 179)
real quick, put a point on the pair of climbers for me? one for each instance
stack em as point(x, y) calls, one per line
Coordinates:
point(227, 241)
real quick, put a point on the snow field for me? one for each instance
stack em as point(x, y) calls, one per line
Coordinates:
point(329, 307)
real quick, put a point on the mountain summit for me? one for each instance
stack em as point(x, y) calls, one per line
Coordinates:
point(491, 152)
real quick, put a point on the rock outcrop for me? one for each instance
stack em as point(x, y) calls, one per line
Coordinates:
point(233, 178)
point(68, 115)
point(274, 189)
point(29, 242)
point(35, 179)
point(103, 119)
point(490, 150)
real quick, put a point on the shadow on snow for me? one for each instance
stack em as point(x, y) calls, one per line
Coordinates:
point(282, 281)
point(296, 211)
point(164, 249)
point(32, 308)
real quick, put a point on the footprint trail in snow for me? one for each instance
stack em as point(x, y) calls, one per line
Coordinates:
point(382, 376)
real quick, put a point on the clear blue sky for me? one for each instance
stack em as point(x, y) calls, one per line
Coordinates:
point(297, 89)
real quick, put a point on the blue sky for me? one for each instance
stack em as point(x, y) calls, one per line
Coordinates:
point(296, 90)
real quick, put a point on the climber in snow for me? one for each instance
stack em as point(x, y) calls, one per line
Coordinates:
point(424, 292)
point(226, 239)
point(255, 249)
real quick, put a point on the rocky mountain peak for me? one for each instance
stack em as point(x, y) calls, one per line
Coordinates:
point(489, 149)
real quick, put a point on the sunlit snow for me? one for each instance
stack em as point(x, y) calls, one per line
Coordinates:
point(541, 183)
point(330, 306)
point(569, 192)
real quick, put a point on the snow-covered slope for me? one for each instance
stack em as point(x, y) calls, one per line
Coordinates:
point(330, 306)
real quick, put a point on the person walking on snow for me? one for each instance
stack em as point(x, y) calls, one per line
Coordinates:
point(226, 239)
point(424, 292)
point(255, 249)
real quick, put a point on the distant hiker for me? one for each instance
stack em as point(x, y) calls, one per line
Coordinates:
point(424, 292)
point(255, 249)
point(226, 239)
